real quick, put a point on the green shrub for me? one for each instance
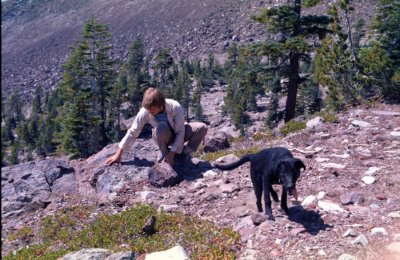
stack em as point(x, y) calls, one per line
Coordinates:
point(23, 234)
point(264, 135)
point(292, 126)
point(201, 239)
point(328, 116)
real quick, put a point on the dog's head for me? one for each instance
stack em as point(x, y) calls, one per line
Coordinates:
point(289, 172)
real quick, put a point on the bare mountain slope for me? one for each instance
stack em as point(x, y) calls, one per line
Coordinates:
point(36, 34)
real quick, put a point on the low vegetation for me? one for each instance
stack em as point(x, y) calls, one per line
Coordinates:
point(292, 126)
point(70, 230)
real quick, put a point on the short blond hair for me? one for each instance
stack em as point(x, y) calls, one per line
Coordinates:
point(153, 98)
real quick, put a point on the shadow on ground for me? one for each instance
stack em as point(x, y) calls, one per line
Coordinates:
point(138, 162)
point(311, 220)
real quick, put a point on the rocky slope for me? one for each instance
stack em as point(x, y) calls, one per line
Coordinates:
point(349, 199)
point(36, 35)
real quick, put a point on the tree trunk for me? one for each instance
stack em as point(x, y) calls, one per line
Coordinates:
point(294, 64)
point(292, 88)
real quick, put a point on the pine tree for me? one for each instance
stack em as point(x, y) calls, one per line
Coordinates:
point(163, 62)
point(385, 71)
point(85, 89)
point(291, 48)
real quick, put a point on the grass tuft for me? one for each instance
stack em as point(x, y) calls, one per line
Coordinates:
point(292, 126)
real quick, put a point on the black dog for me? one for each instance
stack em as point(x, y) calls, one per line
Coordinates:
point(267, 167)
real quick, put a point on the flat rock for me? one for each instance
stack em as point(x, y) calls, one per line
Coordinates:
point(394, 214)
point(360, 123)
point(329, 206)
point(368, 179)
point(333, 165)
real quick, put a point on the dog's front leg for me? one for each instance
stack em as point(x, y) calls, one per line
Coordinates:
point(267, 199)
point(284, 206)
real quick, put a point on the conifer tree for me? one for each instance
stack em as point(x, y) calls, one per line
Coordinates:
point(85, 89)
point(381, 59)
point(163, 62)
point(292, 30)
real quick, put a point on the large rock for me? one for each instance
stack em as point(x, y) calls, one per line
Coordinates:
point(217, 142)
point(99, 180)
point(34, 185)
point(98, 254)
point(162, 175)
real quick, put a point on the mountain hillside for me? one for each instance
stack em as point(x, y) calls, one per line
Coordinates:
point(36, 35)
point(348, 194)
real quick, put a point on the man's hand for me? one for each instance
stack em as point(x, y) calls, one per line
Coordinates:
point(116, 158)
point(169, 158)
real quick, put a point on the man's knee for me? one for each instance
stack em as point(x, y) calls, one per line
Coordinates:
point(203, 128)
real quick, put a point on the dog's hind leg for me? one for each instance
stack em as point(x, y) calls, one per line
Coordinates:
point(274, 194)
point(257, 186)
point(284, 206)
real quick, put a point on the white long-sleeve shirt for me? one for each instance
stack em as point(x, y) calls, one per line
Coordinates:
point(176, 119)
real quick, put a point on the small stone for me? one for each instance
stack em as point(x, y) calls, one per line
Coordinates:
point(145, 194)
point(333, 165)
point(315, 122)
point(321, 252)
point(279, 242)
point(347, 257)
point(210, 174)
point(372, 171)
point(329, 206)
point(394, 214)
point(349, 233)
point(360, 240)
point(176, 252)
point(360, 123)
point(352, 198)
point(167, 208)
point(199, 185)
point(309, 200)
point(395, 134)
point(227, 159)
point(368, 179)
point(229, 188)
point(379, 231)
point(258, 218)
point(294, 232)
point(321, 195)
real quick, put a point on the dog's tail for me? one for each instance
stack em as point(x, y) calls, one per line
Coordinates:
point(231, 166)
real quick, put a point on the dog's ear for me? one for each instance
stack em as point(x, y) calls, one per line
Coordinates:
point(299, 164)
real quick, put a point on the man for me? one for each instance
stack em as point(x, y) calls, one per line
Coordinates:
point(170, 129)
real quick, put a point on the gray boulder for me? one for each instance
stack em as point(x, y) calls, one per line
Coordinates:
point(162, 175)
point(217, 142)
